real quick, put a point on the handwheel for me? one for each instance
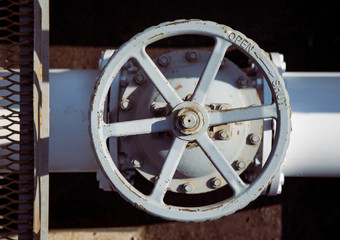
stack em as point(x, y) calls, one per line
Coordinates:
point(187, 120)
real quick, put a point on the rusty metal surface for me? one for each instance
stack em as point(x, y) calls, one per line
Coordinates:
point(41, 108)
point(16, 120)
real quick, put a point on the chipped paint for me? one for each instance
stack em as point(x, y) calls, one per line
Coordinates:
point(157, 35)
point(213, 208)
point(182, 22)
point(179, 86)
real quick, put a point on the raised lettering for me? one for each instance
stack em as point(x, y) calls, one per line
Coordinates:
point(279, 93)
point(232, 36)
point(244, 43)
point(238, 39)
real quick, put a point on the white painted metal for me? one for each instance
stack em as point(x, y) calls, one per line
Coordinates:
point(70, 96)
point(135, 48)
point(314, 149)
point(313, 97)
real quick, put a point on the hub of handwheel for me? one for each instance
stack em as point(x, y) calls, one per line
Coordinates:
point(190, 119)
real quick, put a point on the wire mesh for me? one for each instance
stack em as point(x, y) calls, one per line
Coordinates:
point(16, 119)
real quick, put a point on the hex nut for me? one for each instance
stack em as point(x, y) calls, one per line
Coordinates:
point(216, 182)
point(191, 144)
point(156, 108)
point(193, 55)
point(139, 78)
point(125, 104)
point(188, 187)
point(164, 60)
point(240, 164)
point(254, 139)
point(188, 97)
point(223, 107)
point(188, 120)
point(223, 64)
point(243, 82)
point(223, 134)
point(136, 161)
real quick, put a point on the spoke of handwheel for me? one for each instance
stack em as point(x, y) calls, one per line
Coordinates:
point(160, 82)
point(221, 163)
point(242, 114)
point(210, 71)
point(168, 169)
point(136, 127)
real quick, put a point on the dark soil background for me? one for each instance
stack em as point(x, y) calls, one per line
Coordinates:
point(306, 32)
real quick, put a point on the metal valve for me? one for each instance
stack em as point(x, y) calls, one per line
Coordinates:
point(189, 124)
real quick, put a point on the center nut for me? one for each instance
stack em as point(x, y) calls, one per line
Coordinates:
point(189, 121)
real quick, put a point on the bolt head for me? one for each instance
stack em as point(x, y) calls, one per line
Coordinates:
point(243, 82)
point(216, 182)
point(223, 134)
point(188, 187)
point(164, 60)
point(188, 97)
point(140, 78)
point(191, 145)
point(254, 139)
point(223, 64)
point(125, 104)
point(156, 108)
point(193, 55)
point(241, 164)
point(223, 107)
point(136, 161)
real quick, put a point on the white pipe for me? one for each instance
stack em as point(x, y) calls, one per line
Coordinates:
point(70, 95)
point(314, 149)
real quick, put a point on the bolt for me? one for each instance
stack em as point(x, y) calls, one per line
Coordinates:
point(191, 144)
point(243, 82)
point(254, 139)
point(223, 107)
point(136, 161)
point(240, 164)
point(125, 104)
point(140, 78)
point(223, 64)
point(193, 55)
point(164, 60)
point(154, 179)
point(216, 182)
point(188, 187)
point(156, 108)
point(223, 134)
point(188, 120)
point(188, 97)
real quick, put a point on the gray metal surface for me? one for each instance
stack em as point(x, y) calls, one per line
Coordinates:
point(154, 202)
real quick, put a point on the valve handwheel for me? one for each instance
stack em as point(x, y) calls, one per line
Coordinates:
point(189, 120)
